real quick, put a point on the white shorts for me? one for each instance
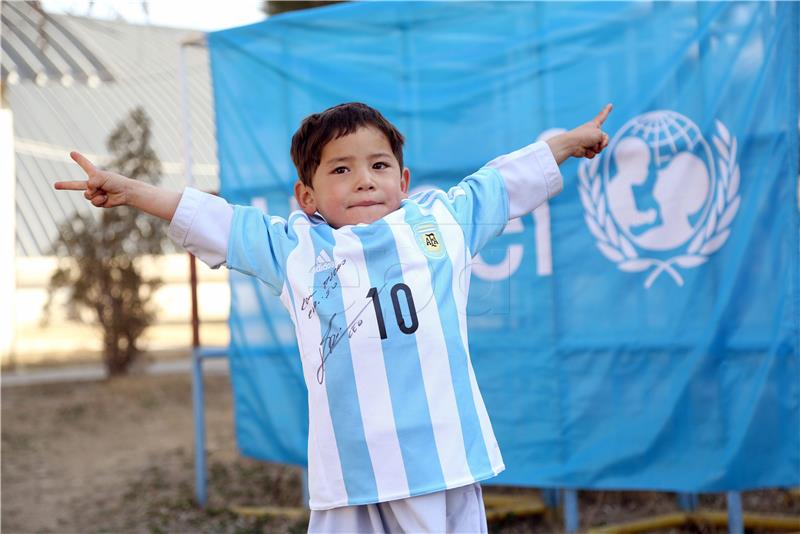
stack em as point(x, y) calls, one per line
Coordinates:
point(455, 510)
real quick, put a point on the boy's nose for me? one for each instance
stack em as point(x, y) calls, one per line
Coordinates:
point(365, 182)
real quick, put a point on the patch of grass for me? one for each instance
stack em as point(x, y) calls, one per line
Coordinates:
point(162, 503)
point(16, 440)
point(149, 402)
point(73, 412)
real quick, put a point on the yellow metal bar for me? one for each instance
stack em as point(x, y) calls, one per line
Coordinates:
point(766, 521)
point(490, 499)
point(500, 506)
point(497, 507)
point(641, 525)
point(271, 511)
point(523, 510)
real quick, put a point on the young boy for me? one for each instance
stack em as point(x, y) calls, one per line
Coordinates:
point(375, 283)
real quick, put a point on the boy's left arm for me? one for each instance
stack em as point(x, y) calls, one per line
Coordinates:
point(531, 174)
point(585, 141)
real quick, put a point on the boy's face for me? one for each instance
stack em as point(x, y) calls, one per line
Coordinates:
point(358, 180)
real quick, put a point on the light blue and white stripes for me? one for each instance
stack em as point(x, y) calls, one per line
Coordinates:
point(401, 410)
point(380, 317)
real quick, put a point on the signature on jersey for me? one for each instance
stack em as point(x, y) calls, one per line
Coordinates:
point(323, 291)
point(334, 334)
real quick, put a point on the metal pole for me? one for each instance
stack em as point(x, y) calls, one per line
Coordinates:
point(186, 122)
point(198, 409)
point(687, 501)
point(735, 520)
point(304, 482)
point(551, 497)
point(198, 395)
point(570, 511)
point(195, 310)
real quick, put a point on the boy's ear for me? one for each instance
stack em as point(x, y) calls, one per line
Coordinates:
point(405, 180)
point(305, 198)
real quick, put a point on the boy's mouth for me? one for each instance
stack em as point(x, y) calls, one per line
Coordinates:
point(365, 203)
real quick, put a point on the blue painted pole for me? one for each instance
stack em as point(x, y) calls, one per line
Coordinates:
point(198, 409)
point(735, 519)
point(551, 497)
point(304, 481)
point(570, 511)
point(688, 501)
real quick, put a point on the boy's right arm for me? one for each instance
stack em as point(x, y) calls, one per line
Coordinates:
point(199, 222)
point(105, 189)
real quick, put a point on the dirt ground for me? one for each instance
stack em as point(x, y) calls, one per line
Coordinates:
point(116, 456)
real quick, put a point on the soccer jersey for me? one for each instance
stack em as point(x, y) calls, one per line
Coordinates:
point(380, 316)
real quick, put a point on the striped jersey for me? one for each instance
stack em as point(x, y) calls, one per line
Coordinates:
point(380, 316)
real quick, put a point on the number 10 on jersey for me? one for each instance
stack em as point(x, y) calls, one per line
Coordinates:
point(401, 321)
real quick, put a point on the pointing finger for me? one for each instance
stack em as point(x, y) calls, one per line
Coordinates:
point(601, 117)
point(87, 166)
point(74, 185)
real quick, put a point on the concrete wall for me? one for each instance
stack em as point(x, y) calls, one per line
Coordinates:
point(7, 232)
point(64, 340)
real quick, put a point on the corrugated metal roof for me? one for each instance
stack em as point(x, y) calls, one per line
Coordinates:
point(37, 47)
point(142, 64)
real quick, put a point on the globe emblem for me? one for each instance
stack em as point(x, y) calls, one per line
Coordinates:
point(655, 201)
point(659, 180)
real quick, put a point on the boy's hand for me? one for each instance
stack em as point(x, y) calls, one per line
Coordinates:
point(103, 189)
point(108, 189)
point(585, 141)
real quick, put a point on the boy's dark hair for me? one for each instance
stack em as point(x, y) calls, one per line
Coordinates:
point(319, 129)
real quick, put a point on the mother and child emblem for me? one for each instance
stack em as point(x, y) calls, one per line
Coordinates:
point(660, 198)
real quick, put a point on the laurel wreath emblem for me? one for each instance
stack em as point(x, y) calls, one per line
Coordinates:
point(709, 238)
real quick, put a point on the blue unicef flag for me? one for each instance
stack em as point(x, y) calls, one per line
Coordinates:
point(641, 330)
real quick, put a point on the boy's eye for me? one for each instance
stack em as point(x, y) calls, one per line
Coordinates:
point(380, 165)
point(340, 170)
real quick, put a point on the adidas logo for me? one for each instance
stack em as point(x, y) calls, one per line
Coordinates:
point(323, 262)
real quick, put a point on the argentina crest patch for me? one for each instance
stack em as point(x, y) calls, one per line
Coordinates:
point(429, 239)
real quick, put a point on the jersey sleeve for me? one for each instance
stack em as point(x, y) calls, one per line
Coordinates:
point(242, 238)
point(479, 205)
point(201, 224)
point(259, 245)
point(507, 187)
point(530, 176)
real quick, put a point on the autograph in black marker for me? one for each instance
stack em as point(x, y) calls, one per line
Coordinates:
point(330, 283)
point(333, 335)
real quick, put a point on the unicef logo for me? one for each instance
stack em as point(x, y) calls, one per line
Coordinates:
point(660, 199)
